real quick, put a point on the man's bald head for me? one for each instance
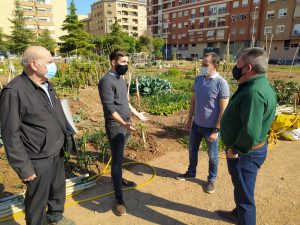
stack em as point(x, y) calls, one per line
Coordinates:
point(34, 53)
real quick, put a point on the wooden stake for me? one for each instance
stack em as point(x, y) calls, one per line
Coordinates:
point(138, 92)
point(294, 59)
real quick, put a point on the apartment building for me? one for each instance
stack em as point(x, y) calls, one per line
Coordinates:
point(130, 14)
point(193, 27)
point(39, 15)
point(281, 24)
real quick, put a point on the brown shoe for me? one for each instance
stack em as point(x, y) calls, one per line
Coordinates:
point(120, 209)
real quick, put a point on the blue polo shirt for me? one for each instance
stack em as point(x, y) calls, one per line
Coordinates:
point(207, 99)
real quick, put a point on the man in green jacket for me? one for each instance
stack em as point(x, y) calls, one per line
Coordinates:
point(244, 128)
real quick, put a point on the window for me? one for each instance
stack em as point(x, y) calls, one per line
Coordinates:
point(256, 2)
point(173, 15)
point(174, 25)
point(245, 3)
point(243, 16)
point(193, 16)
point(212, 22)
point(109, 4)
point(186, 13)
point(186, 25)
point(173, 36)
point(179, 2)
point(282, 13)
point(220, 34)
point(202, 11)
point(233, 31)
point(109, 12)
point(200, 34)
point(191, 36)
point(201, 23)
point(179, 25)
point(210, 33)
point(194, 45)
point(186, 1)
point(213, 10)
point(296, 31)
point(179, 14)
point(280, 29)
point(234, 17)
point(235, 4)
point(268, 30)
point(270, 15)
point(192, 24)
point(270, 1)
point(242, 30)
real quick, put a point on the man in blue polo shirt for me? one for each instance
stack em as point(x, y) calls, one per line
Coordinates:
point(209, 100)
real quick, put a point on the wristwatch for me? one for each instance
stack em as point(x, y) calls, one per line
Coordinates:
point(216, 130)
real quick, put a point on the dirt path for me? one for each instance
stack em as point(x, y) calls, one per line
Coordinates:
point(168, 201)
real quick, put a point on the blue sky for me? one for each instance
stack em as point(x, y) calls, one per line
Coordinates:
point(83, 6)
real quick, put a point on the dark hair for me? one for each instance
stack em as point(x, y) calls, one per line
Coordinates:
point(116, 54)
point(215, 59)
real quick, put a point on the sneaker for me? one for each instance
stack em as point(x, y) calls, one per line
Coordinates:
point(210, 188)
point(185, 176)
point(63, 221)
point(127, 183)
point(229, 216)
point(120, 209)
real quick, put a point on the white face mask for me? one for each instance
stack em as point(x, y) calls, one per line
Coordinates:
point(204, 71)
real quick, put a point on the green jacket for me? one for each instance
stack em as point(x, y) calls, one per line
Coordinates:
point(249, 115)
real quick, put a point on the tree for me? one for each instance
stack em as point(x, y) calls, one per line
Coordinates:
point(157, 45)
point(77, 41)
point(3, 44)
point(146, 42)
point(47, 41)
point(20, 37)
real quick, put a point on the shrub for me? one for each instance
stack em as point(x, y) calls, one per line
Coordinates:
point(150, 86)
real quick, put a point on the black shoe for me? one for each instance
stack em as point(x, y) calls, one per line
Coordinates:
point(185, 176)
point(229, 216)
point(127, 183)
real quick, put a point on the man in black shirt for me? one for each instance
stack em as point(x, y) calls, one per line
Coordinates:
point(113, 95)
point(32, 138)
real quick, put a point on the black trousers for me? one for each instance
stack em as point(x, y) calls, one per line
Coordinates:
point(47, 189)
point(118, 137)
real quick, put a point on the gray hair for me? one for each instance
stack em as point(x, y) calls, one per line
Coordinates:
point(27, 59)
point(32, 53)
point(257, 57)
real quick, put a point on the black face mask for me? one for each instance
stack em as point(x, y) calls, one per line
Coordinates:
point(237, 72)
point(121, 69)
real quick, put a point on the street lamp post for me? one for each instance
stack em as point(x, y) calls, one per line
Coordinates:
point(166, 49)
point(253, 37)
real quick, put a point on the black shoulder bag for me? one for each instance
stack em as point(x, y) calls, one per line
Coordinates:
point(69, 143)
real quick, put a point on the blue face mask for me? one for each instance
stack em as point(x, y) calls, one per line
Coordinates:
point(204, 71)
point(52, 69)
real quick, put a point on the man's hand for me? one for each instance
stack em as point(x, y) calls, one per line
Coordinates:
point(231, 155)
point(28, 179)
point(142, 117)
point(188, 125)
point(129, 126)
point(213, 137)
